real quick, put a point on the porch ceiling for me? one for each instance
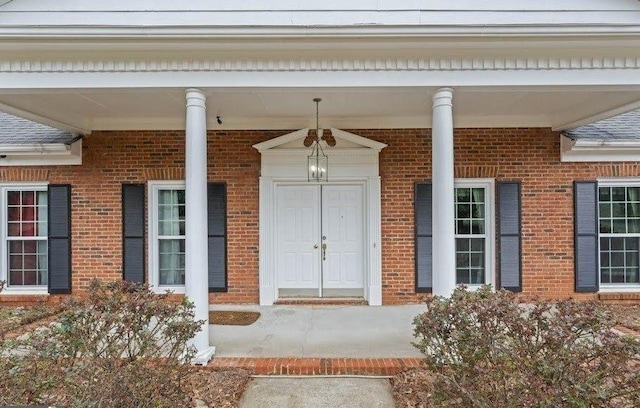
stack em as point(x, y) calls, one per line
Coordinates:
point(344, 107)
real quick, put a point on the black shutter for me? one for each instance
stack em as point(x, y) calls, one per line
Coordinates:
point(585, 195)
point(217, 240)
point(59, 243)
point(509, 236)
point(423, 238)
point(133, 221)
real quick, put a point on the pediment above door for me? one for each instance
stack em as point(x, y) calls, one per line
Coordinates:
point(344, 140)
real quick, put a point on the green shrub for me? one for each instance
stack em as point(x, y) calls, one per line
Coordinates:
point(486, 349)
point(121, 346)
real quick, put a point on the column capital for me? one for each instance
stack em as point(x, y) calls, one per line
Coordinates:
point(443, 97)
point(195, 97)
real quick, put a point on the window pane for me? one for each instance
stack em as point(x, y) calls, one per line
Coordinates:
point(171, 261)
point(618, 209)
point(463, 211)
point(617, 275)
point(477, 276)
point(619, 226)
point(477, 227)
point(478, 211)
point(462, 276)
point(463, 195)
point(605, 210)
point(632, 275)
point(463, 227)
point(633, 225)
point(478, 195)
point(13, 198)
point(27, 263)
point(171, 213)
point(470, 261)
point(619, 260)
point(604, 194)
point(618, 194)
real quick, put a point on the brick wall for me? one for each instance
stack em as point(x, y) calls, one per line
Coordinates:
point(527, 155)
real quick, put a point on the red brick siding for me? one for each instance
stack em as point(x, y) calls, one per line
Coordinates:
point(527, 155)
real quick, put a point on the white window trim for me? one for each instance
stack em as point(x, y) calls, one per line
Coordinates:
point(489, 208)
point(152, 199)
point(4, 266)
point(613, 182)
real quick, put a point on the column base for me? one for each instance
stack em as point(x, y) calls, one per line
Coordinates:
point(203, 357)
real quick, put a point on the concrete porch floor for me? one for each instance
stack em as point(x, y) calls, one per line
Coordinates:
point(319, 340)
point(327, 332)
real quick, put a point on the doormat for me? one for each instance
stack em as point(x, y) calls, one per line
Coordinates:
point(233, 318)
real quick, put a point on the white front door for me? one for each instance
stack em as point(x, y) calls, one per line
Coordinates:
point(320, 240)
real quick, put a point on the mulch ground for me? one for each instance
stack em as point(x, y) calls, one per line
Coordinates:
point(15, 320)
point(411, 388)
point(232, 317)
point(218, 388)
point(626, 315)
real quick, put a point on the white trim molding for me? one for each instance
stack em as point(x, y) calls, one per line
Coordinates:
point(329, 64)
point(353, 160)
point(41, 154)
point(599, 150)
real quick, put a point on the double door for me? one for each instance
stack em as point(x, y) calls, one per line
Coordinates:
point(319, 233)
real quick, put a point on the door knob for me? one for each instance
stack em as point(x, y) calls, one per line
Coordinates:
point(315, 246)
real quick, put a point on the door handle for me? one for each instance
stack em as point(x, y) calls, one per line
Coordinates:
point(324, 252)
point(315, 246)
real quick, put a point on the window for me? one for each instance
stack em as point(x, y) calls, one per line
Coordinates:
point(168, 236)
point(474, 235)
point(619, 234)
point(166, 215)
point(470, 218)
point(24, 237)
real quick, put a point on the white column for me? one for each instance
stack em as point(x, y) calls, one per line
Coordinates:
point(444, 249)
point(375, 238)
point(196, 249)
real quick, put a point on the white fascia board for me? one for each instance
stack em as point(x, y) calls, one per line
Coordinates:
point(329, 30)
point(54, 154)
point(599, 150)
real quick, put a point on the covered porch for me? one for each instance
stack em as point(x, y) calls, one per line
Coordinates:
point(386, 76)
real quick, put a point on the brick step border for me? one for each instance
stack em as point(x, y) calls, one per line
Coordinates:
point(321, 302)
point(316, 366)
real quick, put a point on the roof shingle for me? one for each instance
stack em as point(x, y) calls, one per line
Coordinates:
point(14, 130)
point(621, 127)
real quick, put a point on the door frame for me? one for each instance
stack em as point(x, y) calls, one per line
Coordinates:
point(365, 238)
point(354, 160)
